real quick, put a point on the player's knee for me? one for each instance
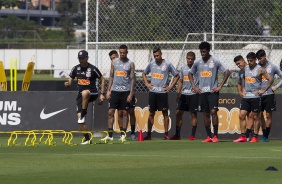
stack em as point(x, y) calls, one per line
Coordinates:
point(85, 93)
point(111, 113)
point(179, 113)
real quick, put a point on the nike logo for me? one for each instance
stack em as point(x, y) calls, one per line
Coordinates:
point(46, 116)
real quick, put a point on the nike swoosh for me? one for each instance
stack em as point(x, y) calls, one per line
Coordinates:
point(46, 116)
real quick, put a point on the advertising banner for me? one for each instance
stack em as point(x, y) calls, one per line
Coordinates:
point(57, 111)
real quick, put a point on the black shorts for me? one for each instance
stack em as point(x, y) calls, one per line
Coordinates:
point(93, 97)
point(208, 101)
point(118, 100)
point(158, 101)
point(268, 103)
point(188, 103)
point(251, 104)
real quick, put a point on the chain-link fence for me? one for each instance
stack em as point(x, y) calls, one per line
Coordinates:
point(232, 27)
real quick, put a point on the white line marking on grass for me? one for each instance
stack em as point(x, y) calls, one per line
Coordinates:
point(242, 157)
point(275, 150)
point(134, 155)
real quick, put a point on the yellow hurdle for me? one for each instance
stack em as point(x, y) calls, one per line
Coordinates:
point(27, 76)
point(13, 74)
point(3, 79)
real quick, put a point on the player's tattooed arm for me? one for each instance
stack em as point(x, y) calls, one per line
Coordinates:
point(111, 78)
point(268, 78)
point(132, 82)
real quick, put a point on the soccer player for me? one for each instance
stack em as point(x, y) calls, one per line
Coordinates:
point(253, 89)
point(120, 90)
point(86, 75)
point(207, 68)
point(113, 55)
point(241, 63)
point(268, 102)
point(187, 100)
point(159, 87)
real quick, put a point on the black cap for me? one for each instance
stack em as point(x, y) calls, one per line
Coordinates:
point(82, 54)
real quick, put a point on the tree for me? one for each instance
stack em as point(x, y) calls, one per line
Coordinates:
point(274, 20)
point(68, 10)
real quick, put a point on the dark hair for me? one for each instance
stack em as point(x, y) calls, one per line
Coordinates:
point(238, 58)
point(260, 53)
point(251, 55)
point(190, 53)
point(156, 49)
point(205, 45)
point(113, 52)
point(123, 47)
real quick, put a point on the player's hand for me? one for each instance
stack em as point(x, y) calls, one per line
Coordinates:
point(108, 96)
point(196, 90)
point(217, 89)
point(102, 98)
point(260, 92)
point(273, 88)
point(67, 84)
point(178, 97)
point(167, 88)
point(149, 85)
point(129, 98)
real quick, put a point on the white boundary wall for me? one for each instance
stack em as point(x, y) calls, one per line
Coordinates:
point(65, 59)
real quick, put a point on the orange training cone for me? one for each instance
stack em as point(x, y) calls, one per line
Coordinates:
point(140, 136)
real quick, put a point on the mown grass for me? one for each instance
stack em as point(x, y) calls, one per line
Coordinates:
point(155, 161)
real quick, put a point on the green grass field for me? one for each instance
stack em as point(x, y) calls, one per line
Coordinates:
point(155, 161)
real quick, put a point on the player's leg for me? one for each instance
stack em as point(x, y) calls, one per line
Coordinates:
point(193, 108)
point(181, 107)
point(152, 109)
point(166, 123)
point(204, 107)
point(132, 120)
point(113, 105)
point(253, 120)
point(82, 125)
point(271, 106)
point(162, 105)
point(179, 114)
point(194, 123)
point(85, 94)
point(213, 106)
point(123, 106)
point(242, 118)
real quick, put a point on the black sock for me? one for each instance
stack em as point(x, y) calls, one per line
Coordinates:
point(194, 128)
point(149, 134)
point(243, 134)
point(267, 131)
point(83, 113)
point(166, 133)
point(255, 135)
point(110, 132)
point(208, 130)
point(264, 132)
point(248, 131)
point(123, 130)
point(87, 137)
point(177, 131)
point(132, 129)
point(215, 130)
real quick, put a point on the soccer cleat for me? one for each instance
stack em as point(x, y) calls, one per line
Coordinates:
point(208, 139)
point(254, 139)
point(166, 137)
point(174, 138)
point(86, 142)
point(122, 138)
point(264, 139)
point(81, 120)
point(215, 139)
point(107, 139)
point(147, 137)
point(192, 138)
point(241, 139)
point(133, 137)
